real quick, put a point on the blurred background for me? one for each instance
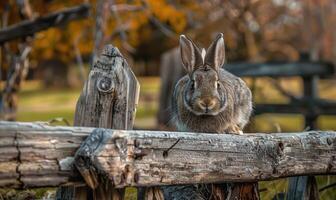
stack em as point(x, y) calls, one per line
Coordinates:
point(43, 71)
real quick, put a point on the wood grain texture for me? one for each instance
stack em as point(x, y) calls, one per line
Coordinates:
point(110, 95)
point(108, 100)
point(34, 155)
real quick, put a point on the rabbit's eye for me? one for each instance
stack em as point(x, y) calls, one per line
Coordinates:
point(218, 85)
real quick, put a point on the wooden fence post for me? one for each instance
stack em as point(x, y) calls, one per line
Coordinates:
point(108, 100)
point(305, 187)
point(302, 188)
point(171, 71)
point(310, 92)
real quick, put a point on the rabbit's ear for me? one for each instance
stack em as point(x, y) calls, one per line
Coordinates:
point(190, 53)
point(215, 55)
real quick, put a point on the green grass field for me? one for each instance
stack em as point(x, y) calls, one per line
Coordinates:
point(39, 104)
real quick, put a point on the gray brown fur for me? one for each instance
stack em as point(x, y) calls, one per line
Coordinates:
point(203, 104)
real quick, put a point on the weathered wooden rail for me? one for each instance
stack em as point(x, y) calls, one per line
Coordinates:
point(35, 155)
point(281, 69)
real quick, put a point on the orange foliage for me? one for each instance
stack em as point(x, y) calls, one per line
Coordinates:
point(254, 30)
point(58, 42)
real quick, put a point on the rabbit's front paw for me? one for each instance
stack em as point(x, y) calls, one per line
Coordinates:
point(235, 129)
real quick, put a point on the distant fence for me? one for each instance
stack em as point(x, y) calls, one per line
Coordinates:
point(110, 159)
point(309, 104)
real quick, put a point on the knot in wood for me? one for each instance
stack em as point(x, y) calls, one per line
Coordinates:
point(270, 150)
point(104, 84)
point(329, 141)
point(281, 148)
point(136, 177)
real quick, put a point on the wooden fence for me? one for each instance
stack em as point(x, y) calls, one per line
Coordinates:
point(309, 104)
point(36, 155)
point(110, 159)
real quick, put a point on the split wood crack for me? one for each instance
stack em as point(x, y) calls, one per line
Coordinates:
point(16, 142)
point(165, 152)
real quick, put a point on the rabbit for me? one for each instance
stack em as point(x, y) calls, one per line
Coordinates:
point(209, 99)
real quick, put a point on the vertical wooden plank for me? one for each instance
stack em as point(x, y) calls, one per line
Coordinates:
point(65, 192)
point(108, 100)
point(244, 191)
point(81, 192)
point(171, 70)
point(302, 188)
point(305, 187)
point(312, 191)
point(110, 95)
point(310, 92)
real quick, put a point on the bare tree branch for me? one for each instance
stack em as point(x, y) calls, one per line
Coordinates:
point(29, 27)
point(163, 28)
point(126, 8)
point(79, 57)
point(102, 15)
point(122, 32)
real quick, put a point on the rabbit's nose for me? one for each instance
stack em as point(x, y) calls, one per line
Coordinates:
point(207, 103)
